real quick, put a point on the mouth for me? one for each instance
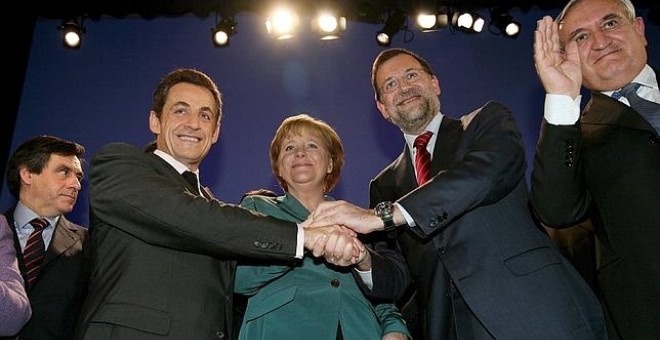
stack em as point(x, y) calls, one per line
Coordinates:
point(408, 100)
point(189, 138)
point(605, 56)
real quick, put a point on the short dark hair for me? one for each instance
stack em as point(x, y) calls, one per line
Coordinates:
point(184, 75)
point(34, 154)
point(389, 54)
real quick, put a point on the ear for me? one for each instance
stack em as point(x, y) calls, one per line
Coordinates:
point(25, 175)
point(330, 165)
point(216, 133)
point(383, 111)
point(638, 26)
point(436, 85)
point(154, 123)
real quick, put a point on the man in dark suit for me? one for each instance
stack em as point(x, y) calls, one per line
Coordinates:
point(44, 175)
point(482, 268)
point(604, 164)
point(163, 250)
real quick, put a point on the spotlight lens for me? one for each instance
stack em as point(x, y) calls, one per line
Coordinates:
point(512, 29)
point(465, 20)
point(479, 25)
point(72, 39)
point(426, 21)
point(220, 38)
point(328, 23)
point(383, 38)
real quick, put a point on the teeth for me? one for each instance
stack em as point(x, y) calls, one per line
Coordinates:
point(190, 139)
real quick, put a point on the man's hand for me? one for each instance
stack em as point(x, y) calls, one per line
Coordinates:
point(343, 213)
point(339, 245)
point(558, 69)
point(394, 336)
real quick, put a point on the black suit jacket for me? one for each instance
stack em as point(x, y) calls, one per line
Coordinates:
point(475, 234)
point(163, 259)
point(58, 293)
point(607, 167)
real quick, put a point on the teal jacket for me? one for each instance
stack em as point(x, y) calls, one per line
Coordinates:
point(310, 299)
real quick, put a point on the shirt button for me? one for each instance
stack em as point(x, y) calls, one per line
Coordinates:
point(334, 283)
point(219, 335)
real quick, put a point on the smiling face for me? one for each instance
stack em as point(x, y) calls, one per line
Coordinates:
point(54, 191)
point(188, 125)
point(612, 47)
point(413, 103)
point(304, 162)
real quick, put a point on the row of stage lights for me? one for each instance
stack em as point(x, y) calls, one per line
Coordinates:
point(284, 23)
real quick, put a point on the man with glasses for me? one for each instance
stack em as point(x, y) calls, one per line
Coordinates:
point(482, 268)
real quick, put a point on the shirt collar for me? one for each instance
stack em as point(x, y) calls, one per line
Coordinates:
point(646, 78)
point(178, 166)
point(23, 215)
point(434, 126)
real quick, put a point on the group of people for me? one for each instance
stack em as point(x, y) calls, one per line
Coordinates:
point(450, 247)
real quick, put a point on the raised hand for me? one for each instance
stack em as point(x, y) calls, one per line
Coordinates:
point(558, 67)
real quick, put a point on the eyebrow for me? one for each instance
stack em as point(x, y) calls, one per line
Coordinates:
point(606, 18)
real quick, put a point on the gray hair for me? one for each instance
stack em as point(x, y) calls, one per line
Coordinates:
point(627, 6)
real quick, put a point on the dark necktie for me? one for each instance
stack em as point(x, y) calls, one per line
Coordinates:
point(192, 179)
point(35, 249)
point(648, 109)
point(423, 157)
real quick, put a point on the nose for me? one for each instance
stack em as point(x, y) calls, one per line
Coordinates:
point(600, 40)
point(75, 183)
point(193, 121)
point(301, 152)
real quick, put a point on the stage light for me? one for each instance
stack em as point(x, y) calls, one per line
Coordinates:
point(282, 23)
point(504, 24)
point(223, 30)
point(393, 24)
point(328, 26)
point(428, 21)
point(72, 33)
point(468, 22)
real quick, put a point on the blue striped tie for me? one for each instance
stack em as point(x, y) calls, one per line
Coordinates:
point(648, 109)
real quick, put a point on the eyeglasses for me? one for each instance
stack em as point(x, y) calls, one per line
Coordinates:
point(410, 76)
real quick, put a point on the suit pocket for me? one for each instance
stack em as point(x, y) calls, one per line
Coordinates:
point(266, 302)
point(137, 317)
point(532, 260)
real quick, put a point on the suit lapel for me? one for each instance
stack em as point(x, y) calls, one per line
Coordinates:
point(67, 239)
point(445, 145)
point(603, 110)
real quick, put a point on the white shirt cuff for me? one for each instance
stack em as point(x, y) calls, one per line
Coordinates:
point(561, 109)
point(406, 215)
point(300, 242)
point(366, 278)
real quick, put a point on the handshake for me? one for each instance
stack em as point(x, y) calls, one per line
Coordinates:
point(331, 232)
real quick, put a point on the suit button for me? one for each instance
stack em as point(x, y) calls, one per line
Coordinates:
point(257, 244)
point(434, 223)
point(334, 283)
point(219, 335)
point(654, 140)
point(441, 250)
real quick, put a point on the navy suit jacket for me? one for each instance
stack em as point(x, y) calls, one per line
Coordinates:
point(474, 233)
point(607, 167)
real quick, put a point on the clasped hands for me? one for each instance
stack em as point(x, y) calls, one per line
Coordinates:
point(331, 231)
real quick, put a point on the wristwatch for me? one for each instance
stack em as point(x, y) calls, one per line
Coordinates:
point(384, 210)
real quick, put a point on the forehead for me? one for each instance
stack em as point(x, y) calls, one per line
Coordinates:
point(191, 94)
point(588, 13)
point(56, 160)
point(396, 65)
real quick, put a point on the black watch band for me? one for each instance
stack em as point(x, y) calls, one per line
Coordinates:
point(384, 210)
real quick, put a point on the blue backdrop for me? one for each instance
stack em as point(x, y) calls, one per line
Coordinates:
point(102, 92)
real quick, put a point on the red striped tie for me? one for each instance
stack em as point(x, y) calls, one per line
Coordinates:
point(423, 157)
point(33, 255)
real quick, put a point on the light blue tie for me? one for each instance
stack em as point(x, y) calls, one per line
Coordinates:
point(648, 109)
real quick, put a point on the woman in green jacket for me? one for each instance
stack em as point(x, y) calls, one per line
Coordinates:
point(312, 299)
